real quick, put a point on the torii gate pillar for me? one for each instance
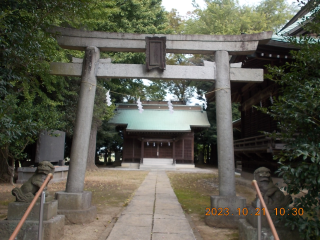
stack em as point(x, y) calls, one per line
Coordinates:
point(75, 203)
point(224, 125)
point(227, 202)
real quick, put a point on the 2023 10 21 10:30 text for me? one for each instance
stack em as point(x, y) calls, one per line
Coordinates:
point(226, 212)
point(258, 211)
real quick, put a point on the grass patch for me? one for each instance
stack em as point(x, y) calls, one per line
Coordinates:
point(192, 192)
point(112, 188)
point(5, 202)
point(233, 236)
point(5, 199)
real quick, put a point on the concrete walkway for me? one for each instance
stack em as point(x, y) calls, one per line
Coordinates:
point(154, 213)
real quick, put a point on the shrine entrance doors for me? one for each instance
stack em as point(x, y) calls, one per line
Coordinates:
point(156, 149)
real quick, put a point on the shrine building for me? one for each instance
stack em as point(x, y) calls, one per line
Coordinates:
point(158, 138)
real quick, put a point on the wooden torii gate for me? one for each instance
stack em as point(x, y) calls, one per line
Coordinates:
point(93, 67)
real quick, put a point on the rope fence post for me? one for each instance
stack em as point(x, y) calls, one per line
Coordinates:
point(42, 201)
point(259, 220)
point(272, 227)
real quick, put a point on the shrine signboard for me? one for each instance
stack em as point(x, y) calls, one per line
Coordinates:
point(155, 53)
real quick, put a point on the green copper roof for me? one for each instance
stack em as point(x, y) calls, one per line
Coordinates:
point(294, 24)
point(153, 120)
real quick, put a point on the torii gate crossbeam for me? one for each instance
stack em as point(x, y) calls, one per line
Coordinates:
point(172, 72)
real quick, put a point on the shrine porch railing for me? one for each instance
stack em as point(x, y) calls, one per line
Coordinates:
point(259, 143)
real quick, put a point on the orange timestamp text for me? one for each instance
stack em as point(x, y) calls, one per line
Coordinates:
point(239, 212)
point(292, 211)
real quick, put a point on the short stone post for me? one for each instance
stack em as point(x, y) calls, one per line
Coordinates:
point(142, 151)
point(227, 199)
point(75, 204)
point(117, 161)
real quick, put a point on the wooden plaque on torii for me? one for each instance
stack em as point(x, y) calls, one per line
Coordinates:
point(156, 53)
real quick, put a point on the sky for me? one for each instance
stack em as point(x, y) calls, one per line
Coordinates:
point(183, 6)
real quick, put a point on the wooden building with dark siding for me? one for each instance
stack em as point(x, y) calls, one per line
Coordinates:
point(254, 149)
point(156, 137)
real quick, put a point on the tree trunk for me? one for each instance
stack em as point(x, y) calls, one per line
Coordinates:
point(204, 154)
point(92, 148)
point(5, 172)
point(211, 154)
point(208, 154)
point(105, 157)
point(12, 171)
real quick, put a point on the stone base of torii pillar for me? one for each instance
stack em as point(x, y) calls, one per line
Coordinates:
point(76, 207)
point(75, 203)
point(224, 211)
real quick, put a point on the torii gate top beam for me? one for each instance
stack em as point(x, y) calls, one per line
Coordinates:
point(187, 44)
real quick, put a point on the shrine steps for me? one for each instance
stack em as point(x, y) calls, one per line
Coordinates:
point(157, 163)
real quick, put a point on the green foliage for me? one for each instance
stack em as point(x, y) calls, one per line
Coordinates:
point(273, 14)
point(155, 91)
point(29, 96)
point(176, 23)
point(228, 17)
point(129, 90)
point(101, 112)
point(22, 120)
point(26, 48)
point(181, 89)
point(210, 135)
point(297, 111)
point(131, 16)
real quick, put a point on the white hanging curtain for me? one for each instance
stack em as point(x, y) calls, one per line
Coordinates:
point(108, 98)
point(170, 106)
point(139, 104)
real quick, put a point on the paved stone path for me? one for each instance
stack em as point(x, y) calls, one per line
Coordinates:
point(154, 213)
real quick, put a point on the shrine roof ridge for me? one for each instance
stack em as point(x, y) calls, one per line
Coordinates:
point(155, 120)
point(133, 106)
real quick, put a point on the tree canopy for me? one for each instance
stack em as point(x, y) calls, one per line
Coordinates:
point(29, 96)
point(227, 17)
